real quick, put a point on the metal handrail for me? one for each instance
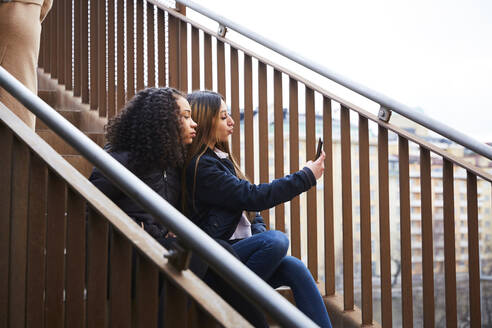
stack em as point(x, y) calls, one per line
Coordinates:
point(381, 99)
point(229, 267)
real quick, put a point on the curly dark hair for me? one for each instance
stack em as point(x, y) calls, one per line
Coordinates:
point(149, 128)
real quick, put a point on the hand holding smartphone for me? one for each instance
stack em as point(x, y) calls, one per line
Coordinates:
point(320, 147)
point(317, 167)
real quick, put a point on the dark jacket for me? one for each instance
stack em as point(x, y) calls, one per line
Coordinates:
point(220, 196)
point(166, 183)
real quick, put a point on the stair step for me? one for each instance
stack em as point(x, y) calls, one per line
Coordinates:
point(73, 116)
point(62, 147)
point(48, 96)
point(80, 163)
point(61, 99)
point(64, 100)
point(73, 110)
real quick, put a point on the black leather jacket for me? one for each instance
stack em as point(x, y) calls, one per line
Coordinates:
point(166, 183)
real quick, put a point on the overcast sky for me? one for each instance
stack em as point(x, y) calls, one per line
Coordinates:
point(432, 54)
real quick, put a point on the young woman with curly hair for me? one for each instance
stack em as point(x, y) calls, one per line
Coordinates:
point(148, 137)
point(220, 200)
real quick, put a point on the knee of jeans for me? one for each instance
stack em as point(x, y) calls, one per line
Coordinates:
point(295, 266)
point(277, 240)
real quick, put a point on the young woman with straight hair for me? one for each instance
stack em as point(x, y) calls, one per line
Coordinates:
point(221, 200)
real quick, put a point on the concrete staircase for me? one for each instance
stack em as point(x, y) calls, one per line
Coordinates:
point(77, 113)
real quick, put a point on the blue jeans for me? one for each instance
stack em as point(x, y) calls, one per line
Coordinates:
point(265, 254)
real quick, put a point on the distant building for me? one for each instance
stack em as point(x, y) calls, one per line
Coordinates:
point(461, 235)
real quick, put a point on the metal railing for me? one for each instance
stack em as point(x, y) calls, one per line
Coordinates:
point(289, 137)
point(381, 99)
point(230, 268)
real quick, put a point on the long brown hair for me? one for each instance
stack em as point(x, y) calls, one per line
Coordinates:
point(205, 106)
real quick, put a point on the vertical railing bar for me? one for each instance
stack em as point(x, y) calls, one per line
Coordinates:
point(146, 293)
point(183, 56)
point(405, 234)
point(77, 48)
point(312, 219)
point(236, 116)
point(62, 42)
point(295, 209)
point(18, 234)
point(174, 58)
point(328, 199)
point(111, 60)
point(36, 243)
point(120, 84)
point(427, 242)
point(94, 69)
point(84, 51)
point(120, 297)
point(101, 53)
point(384, 229)
point(348, 264)
point(473, 250)
point(449, 244)
point(150, 45)
point(175, 302)
point(68, 45)
point(60, 49)
point(207, 44)
point(97, 269)
point(221, 81)
point(54, 40)
point(193, 320)
point(365, 221)
point(140, 45)
point(248, 118)
point(203, 318)
point(76, 246)
point(279, 143)
point(161, 47)
point(6, 144)
point(55, 246)
point(195, 59)
point(130, 50)
point(263, 130)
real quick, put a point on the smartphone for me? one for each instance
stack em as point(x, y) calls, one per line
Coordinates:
point(318, 151)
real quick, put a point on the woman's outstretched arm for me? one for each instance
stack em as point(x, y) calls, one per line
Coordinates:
point(216, 185)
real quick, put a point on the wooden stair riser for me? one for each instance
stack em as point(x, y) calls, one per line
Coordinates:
point(73, 117)
point(62, 147)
